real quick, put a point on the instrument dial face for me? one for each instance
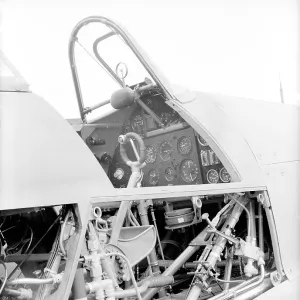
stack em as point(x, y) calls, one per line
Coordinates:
point(137, 123)
point(212, 176)
point(153, 177)
point(201, 141)
point(184, 145)
point(165, 151)
point(151, 155)
point(224, 175)
point(170, 174)
point(188, 170)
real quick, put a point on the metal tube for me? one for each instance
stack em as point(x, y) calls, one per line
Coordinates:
point(10, 292)
point(157, 233)
point(145, 221)
point(78, 288)
point(194, 265)
point(131, 292)
point(256, 291)
point(150, 112)
point(153, 282)
point(36, 281)
point(220, 243)
point(127, 40)
point(194, 292)
point(5, 276)
point(166, 129)
point(174, 267)
point(228, 268)
point(247, 211)
point(91, 108)
point(243, 287)
point(61, 245)
point(253, 225)
point(260, 228)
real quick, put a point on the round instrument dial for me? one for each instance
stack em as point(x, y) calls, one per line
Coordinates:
point(201, 141)
point(188, 170)
point(165, 151)
point(184, 145)
point(153, 177)
point(224, 175)
point(151, 154)
point(137, 123)
point(170, 174)
point(212, 176)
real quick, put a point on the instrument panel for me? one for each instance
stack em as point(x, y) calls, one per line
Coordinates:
point(172, 159)
point(179, 157)
point(212, 168)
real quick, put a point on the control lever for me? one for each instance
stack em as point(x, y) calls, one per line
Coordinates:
point(213, 229)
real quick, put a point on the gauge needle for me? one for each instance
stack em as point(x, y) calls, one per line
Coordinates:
point(191, 176)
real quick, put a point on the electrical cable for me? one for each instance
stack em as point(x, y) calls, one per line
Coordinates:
point(31, 238)
point(33, 248)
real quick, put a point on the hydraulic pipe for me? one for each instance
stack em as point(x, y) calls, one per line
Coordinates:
point(260, 228)
point(243, 287)
point(256, 291)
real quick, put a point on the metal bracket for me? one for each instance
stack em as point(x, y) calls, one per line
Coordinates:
point(263, 198)
point(276, 278)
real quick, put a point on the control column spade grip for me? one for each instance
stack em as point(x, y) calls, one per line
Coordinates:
point(123, 139)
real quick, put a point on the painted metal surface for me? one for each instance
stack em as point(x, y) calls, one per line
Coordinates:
point(287, 290)
point(11, 81)
point(43, 160)
point(262, 141)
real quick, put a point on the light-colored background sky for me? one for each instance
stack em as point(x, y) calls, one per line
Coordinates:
point(236, 47)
